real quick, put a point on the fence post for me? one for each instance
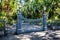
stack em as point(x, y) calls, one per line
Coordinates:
point(19, 22)
point(4, 27)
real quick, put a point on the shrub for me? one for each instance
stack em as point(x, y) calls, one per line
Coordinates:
point(56, 23)
point(1, 26)
point(49, 25)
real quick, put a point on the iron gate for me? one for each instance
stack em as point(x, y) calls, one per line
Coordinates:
point(28, 25)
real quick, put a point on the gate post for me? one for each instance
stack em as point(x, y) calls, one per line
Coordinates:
point(19, 22)
point(44, 20)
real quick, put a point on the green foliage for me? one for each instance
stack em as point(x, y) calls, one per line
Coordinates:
point(0, 14)
point(7, 9)
point(30, 9)
point(49, 25)
point(9, 20)
point(59, 16)
point(35, 9)
point(14, 17)
point(53, 23)
point(1, 26)
point(56, 22)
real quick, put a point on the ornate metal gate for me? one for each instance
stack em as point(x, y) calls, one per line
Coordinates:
point(30, 25)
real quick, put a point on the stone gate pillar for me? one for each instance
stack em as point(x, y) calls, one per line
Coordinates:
point(44, 20)
point(19, 22)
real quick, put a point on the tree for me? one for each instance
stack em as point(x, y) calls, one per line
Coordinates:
point(8, 8)
point(35, 9)
point(32, 10)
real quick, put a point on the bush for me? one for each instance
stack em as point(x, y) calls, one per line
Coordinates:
point(1, 26)
point(56, 23)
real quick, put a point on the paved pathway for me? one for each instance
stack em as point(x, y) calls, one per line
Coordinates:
point(25, 28)
point(44, 35)
point(33, 36)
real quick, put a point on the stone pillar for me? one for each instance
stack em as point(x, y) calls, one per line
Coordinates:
point(44, 21)
point(19, 22)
